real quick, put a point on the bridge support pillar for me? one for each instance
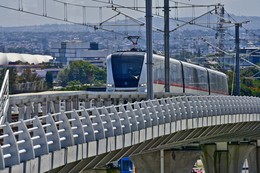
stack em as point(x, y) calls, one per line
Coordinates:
point(44, 108)
point(88, 103)
point(177, 161)
point(28, 112)
point(21, 110)
point(35, 109)
point(254, 159)
point(69, 105)
point(56, 106)
point(222, 157)
point(75, 102)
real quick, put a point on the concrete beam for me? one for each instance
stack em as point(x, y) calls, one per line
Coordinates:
point(180, 161)
point(254, 159)
point(227, 158)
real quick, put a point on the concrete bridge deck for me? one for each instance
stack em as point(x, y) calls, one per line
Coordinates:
point(223, 130)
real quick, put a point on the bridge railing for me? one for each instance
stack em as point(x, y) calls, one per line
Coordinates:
point(4, 98)
point(27, 139)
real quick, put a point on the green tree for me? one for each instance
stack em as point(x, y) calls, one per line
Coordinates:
point(62, 77)
point(49, 79)
point(13, 76)
point(28, 76)
point(13, 80)
point(249, 86)
point(100, 76)
point(82, 72)
point(245, 90)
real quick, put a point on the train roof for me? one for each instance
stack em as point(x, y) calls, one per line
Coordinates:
point(217, 72)
point(129, 53)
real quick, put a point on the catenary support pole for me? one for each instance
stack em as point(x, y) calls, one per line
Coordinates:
point(237, 93)
point(149, 49)
point(167, 45)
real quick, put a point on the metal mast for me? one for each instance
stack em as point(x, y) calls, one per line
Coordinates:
point(167, 45)
point(237, 90)
point(149, 48)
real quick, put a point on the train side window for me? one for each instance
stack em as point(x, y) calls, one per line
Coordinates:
point(202, 79)
point(213, 82)
point(222, 84)
point(195, 78)
point(188, 76)
point(176, 73)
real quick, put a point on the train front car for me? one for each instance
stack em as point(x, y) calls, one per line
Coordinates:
point(125, 72)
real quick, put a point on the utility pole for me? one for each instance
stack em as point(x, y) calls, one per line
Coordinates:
point(167, 45)
point(237, 89)
point(149, 48)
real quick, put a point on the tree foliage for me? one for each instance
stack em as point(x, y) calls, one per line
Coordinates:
point(248, 86)
point(81, 72)
point(12, 78)
point(49, 79)
point(28, 76)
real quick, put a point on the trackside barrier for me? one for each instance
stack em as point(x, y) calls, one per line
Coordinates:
point(25, 140)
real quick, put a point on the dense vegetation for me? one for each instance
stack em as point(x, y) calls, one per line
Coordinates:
point(249, 86)
point(81, 74)
point(27, 81)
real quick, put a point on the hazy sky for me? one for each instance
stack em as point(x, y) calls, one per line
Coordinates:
point(12, 18)
point(237, 7)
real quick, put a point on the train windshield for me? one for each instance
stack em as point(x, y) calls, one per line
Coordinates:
point(127, 69)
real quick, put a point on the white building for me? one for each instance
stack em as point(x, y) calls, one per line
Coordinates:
point(65, 52)
point(7, 58)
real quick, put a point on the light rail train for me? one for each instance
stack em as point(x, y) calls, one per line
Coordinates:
point(127, 71)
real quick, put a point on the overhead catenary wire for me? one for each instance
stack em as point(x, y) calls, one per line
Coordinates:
point(115, 7)
point(95, 26)
point(65, 19)
point(58, 19)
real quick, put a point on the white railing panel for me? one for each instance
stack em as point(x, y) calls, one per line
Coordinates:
point(94, 127)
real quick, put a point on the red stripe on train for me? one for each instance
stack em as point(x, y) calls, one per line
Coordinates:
point(189, 87)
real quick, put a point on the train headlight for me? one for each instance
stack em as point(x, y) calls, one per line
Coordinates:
point(142, 85)
point(109, 85)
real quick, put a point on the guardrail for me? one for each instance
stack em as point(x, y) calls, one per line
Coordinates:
point(27, 139)
point(4, 98)
point(29, 105)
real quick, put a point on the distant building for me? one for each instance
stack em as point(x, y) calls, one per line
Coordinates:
point(251, 54)
point(68, 51)
point(10, 58)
